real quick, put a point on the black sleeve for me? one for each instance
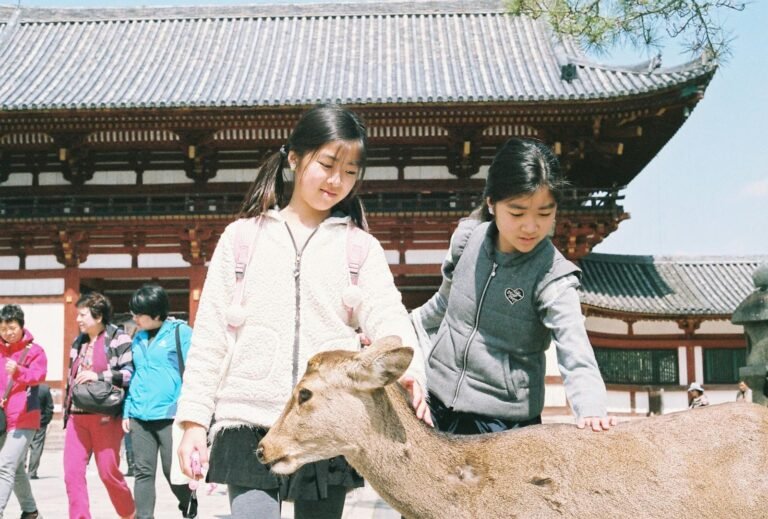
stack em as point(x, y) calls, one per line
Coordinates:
point(46, 405)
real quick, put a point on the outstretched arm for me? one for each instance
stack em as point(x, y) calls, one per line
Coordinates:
point(559, 303)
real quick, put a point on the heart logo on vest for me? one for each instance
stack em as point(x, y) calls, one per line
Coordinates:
point(514, 294)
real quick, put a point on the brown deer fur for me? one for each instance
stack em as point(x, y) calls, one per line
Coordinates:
point(705, 463)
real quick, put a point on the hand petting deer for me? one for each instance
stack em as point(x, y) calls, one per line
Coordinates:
point(706, 463)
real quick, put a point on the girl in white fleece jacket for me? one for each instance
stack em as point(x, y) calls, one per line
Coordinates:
point(293, 308)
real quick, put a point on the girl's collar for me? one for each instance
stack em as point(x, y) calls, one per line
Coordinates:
point(335, 218)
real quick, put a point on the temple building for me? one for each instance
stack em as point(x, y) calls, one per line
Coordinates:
point(658, 324)
point(128, 138)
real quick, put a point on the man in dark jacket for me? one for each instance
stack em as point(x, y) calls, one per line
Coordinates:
point(38, 440)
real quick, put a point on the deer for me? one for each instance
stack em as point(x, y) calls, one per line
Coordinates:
point(710, 462)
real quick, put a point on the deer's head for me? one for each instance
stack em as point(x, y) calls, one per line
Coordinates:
point(329, 402)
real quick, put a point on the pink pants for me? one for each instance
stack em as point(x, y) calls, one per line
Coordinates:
point(99, 435)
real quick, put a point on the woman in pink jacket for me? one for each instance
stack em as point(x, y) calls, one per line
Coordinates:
point(24, 367)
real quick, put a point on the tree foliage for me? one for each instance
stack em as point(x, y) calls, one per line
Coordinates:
point(600, 24)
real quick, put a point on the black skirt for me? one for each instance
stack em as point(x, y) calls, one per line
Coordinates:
point(233, 462)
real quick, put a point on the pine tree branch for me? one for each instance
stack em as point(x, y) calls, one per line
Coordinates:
point(599, 24)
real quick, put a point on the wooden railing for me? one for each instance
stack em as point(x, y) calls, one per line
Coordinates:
point(160, 204)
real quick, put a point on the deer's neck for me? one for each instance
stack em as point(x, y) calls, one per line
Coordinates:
point(414, 468)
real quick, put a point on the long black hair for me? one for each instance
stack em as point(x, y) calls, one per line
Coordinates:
point(316, 128)
point(520, 168)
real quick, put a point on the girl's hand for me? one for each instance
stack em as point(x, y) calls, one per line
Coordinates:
point(126, 425)
point(10, 367)
point(86, 376)
point(193, 441)
point(418, 399)
point(597, 423)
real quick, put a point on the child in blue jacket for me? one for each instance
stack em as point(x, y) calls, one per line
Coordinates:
point(159, 350)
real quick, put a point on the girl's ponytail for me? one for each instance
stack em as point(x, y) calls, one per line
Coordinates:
point(267, 189)
point(481, 213)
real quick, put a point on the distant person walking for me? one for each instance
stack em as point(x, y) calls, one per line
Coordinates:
point(159, 349)
point(24, 366)
point(37, 444)
point(101, 351)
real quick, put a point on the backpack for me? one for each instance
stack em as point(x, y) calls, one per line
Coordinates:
point(246, 232)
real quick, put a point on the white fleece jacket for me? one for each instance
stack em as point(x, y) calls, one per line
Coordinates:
point(257, 381)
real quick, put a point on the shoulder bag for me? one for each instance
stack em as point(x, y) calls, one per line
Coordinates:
point(99, 396)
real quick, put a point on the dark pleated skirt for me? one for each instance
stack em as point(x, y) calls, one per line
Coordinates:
point(233, 462)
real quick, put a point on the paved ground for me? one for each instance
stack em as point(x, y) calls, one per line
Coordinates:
point(51, 497)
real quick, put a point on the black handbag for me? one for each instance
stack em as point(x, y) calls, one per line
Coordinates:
point(100, 397)
point(9, 385)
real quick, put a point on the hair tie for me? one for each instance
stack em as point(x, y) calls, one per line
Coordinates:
point(283, 152)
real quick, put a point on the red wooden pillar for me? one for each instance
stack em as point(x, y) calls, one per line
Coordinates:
point(71, 295)
point(196, 280)
point(691, 362)
point(689, 327)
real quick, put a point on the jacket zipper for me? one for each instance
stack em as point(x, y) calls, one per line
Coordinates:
point(297, 317)
point(472, 334)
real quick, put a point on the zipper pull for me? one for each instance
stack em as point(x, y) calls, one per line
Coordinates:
point(493, 272)
point(296, 267)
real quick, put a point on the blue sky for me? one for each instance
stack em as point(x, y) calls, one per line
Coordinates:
point(706, 193)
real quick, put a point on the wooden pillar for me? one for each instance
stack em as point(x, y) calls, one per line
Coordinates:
point(689, 327)
point(690, 359)
point(196, 280)
point(71, 295)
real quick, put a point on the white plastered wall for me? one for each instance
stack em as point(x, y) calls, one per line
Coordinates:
point(45, 320)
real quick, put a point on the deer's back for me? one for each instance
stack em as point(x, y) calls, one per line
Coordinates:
point(710, 462)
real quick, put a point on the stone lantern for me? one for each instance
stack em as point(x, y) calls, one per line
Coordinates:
point(752, 313)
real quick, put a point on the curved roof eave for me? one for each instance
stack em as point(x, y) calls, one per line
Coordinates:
point(667, 286)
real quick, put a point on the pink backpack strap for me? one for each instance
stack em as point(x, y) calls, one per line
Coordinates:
point(358, 244)
point(246, 231)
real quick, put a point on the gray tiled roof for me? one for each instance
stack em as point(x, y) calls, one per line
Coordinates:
point(667, 286)
point(282, 55)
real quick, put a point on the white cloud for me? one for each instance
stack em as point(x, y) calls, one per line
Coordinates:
point(756, 189)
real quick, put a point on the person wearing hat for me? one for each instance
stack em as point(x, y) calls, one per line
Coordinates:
point(696, 396)
point(744, 394)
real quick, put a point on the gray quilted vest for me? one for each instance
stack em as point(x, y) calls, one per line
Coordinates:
point(488, 355)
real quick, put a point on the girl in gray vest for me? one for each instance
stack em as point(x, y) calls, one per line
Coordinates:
point(506, 295)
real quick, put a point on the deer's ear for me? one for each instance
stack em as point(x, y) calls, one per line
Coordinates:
point(377, 367)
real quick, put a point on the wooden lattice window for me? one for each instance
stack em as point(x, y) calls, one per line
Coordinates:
point(638, 366)
point(721, 365)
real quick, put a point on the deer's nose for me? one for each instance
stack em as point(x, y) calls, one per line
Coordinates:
point(260, 454)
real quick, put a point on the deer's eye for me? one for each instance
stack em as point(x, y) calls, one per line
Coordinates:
point(304, 395)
